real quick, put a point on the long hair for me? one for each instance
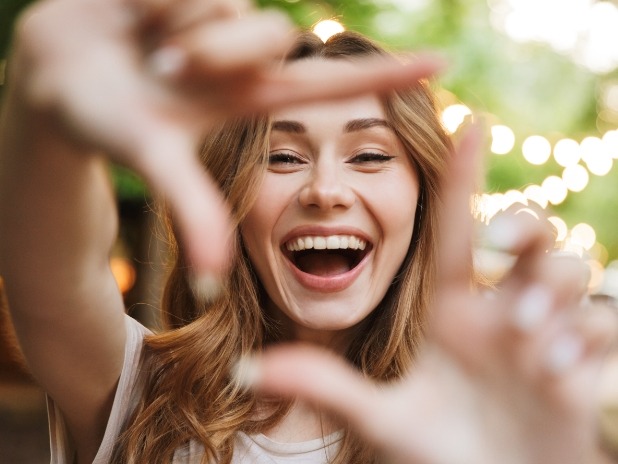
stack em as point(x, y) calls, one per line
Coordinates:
point(189, 393)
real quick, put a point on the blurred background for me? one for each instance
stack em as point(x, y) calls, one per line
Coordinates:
point(543, 76)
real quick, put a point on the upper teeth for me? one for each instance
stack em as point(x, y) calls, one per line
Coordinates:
point(332, 242)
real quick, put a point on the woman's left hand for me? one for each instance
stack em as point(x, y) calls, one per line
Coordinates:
point(507, 376)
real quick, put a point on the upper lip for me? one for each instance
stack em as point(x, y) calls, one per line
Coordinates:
point(324, 231)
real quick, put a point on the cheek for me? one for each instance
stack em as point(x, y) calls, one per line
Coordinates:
point(255, 227)
point(258, 226)
point(396, 207)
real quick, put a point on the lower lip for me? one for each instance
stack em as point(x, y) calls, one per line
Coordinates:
point(330, 284)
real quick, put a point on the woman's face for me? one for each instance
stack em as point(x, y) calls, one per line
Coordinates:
point(334, 216)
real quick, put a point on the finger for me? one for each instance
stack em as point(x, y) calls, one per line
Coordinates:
point(525, 237)
point(309, 80)
point(321, 378)
point(568, 275)
point(171, 16)
point(456, 221)
point(571, 359)
point(564, 341)
point(170, 165)
point(599, 329)
point(225, 47)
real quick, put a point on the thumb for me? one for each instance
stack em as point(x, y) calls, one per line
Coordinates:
point(169, 163)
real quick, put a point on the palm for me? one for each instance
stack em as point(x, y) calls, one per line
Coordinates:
point(495, 381)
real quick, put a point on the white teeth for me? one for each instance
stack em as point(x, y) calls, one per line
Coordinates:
point(319, 243)
point(331, 242)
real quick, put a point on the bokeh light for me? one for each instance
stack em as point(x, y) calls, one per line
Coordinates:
point(566, 152)
point(502, 139)
point(124, 273)
point(575, 177)
point(555, 189)
point(610, 142)
point(536, 149)
point(597, 275)
point(595, 154)
point(327, 28)
point(537, 194)
point(454, 115)
point(513, 197)
point(583, 234)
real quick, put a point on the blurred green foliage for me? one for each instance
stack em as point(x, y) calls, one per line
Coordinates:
point(528, 87)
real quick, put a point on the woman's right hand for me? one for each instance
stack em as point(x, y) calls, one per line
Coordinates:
point(141, 80)
point(508, 376)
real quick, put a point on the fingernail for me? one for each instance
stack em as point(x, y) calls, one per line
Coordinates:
point(502, 233)
point(563, 353)
point(532, 308)
point(167, 61)
point(206, 287)
point(246, 372)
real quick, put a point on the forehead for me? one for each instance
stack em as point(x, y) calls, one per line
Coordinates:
point(333, 116)
point(334, 111)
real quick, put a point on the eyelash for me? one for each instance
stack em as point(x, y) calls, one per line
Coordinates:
point(284, 158)
point(361, 158)
point(370, 157)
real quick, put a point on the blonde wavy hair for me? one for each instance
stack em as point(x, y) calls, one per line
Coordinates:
point(189, 393)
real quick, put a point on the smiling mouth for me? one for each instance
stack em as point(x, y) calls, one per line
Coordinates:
point(326, 256)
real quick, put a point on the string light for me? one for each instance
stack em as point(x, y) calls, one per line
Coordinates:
point(537, 194)
point(454, 115)
point(536, 149)
point(596, 153)
point(503, 139)
point(327, 28)
point(575, 177)
point(555, 189)
point(566, 152)
point(597, 275)
point(583, 234)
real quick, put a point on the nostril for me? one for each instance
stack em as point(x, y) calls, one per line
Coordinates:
point(326, 195)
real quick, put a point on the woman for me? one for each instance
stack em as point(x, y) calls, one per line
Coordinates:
point(335, 206)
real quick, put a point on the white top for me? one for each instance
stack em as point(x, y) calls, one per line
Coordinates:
point(248, 449)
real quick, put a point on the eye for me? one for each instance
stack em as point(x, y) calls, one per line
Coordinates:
point(370, 157)
point(285, 160)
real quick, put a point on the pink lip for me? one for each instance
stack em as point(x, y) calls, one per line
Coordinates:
point(330, 284)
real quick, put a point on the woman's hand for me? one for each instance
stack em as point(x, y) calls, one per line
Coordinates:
point(507, 376)
point(142, 80)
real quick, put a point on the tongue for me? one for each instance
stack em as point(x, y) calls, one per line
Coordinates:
point(323, 264)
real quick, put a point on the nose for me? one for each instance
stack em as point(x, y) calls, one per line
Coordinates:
point(326, 189)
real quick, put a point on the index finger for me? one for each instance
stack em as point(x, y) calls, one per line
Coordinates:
point(310, 80)
point(456, 221)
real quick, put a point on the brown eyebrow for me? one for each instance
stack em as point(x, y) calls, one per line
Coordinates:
point(365, 123)
point(354, 125)
point(289, 126)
